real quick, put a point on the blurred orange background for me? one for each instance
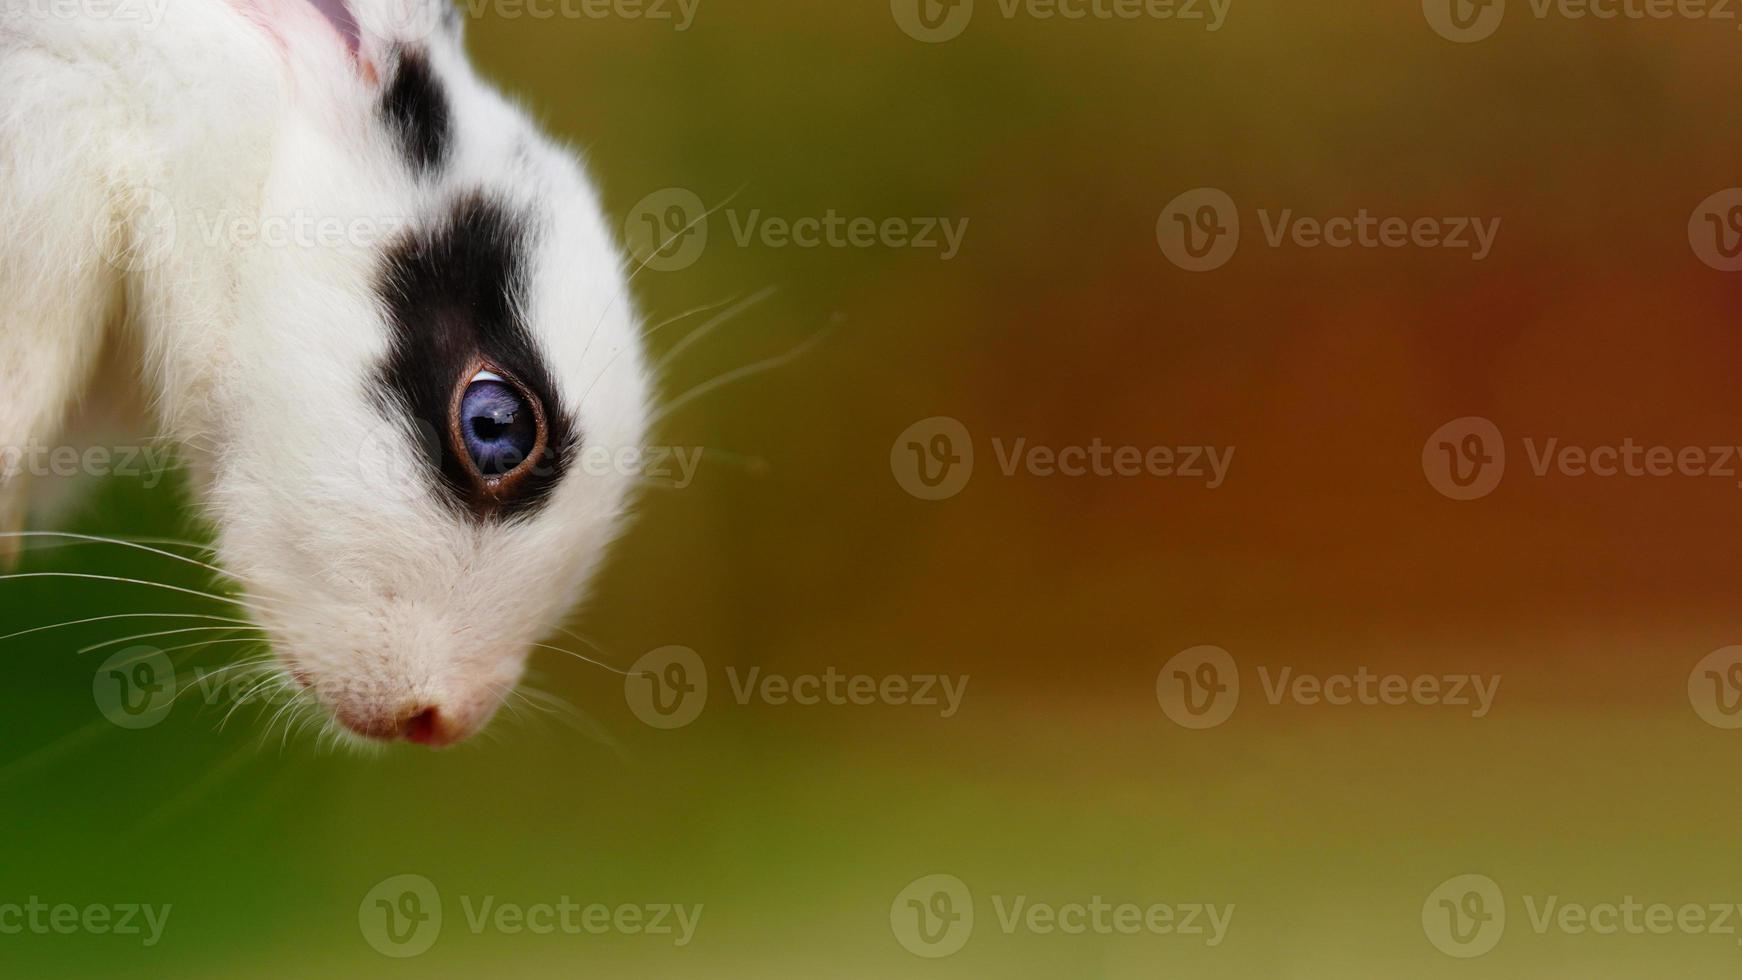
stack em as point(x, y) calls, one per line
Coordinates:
point(1061, 143)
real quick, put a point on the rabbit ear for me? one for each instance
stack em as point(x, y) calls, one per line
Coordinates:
point(314, 36)
point(364, 37)
point(338, 13)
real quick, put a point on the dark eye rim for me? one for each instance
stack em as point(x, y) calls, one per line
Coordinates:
point(496, 490)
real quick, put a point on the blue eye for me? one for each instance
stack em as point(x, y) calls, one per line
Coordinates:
point(499, 428)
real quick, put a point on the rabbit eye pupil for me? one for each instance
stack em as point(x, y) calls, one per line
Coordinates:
point(492, 427)
point(499, 428)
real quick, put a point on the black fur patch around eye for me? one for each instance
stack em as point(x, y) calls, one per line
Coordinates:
point(452, 294)
point(416, 109)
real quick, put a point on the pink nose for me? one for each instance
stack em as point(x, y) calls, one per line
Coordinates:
point(429, 727)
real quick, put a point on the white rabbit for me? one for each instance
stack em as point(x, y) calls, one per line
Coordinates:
point(382, 312)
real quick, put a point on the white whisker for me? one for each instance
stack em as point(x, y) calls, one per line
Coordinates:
point(747, 371)
point(739, 308)
point(103, 619)
point(756, 466)
point(95, 539)
point(255, 664)
point(696, 335)
point(590, 660)
point(198, 646)
point(248, 696)
point(624, 289)
point(685, 315)
point(148, 636)
point(230, 600)
point(592, 645)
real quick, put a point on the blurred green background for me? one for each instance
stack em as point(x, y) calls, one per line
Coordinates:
point(1060, 321)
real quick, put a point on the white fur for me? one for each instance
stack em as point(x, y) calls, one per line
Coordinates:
point(379, 596)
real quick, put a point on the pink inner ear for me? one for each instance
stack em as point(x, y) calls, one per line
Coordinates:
point(292, 26)
point(338, 14)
